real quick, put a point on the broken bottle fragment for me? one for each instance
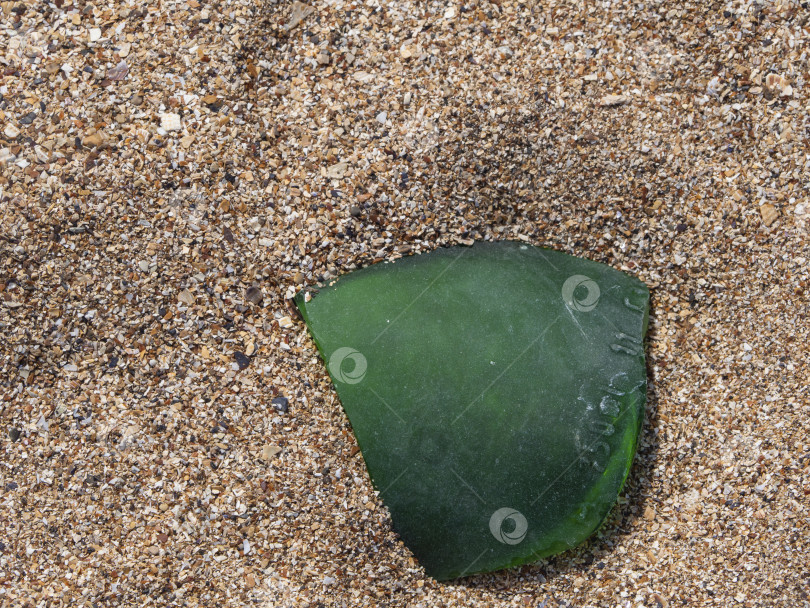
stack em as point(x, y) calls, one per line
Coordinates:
point(496, 392)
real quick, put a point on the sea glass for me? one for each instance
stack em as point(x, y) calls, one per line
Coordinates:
point(496, 392)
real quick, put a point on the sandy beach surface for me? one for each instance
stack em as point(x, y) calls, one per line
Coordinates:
point(172, 172)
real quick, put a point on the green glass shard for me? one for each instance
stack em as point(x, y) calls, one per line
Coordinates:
point(496, 392)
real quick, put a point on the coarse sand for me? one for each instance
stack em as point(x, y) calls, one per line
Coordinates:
point(172, 172)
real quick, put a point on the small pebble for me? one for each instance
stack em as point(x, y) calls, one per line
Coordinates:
point(779, 84)
point(119, 72)
point(337, 170)
point(242, 360)
point(769, 214)
point(505, 52)
point(300, 11)
point(281, 404)
point(186, 297)
point(170, 121)
point(93, 140)
point(254, 295)
point(269, 451)
point(610, 101)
